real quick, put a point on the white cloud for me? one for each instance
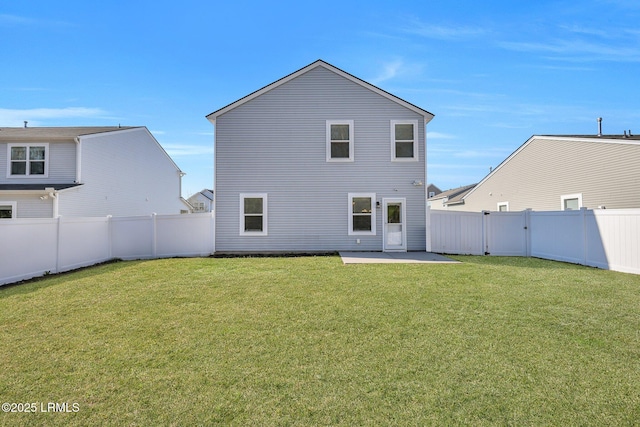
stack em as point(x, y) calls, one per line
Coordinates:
point(16, 117)
point(179, 150)
point(444, 32)
point(389, 71)
point(439, 135)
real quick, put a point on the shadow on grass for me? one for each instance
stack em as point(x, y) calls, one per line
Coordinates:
point(48, 280)
point(512, 261)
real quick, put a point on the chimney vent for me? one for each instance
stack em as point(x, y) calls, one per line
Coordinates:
point(599, 126)
point(25, 124)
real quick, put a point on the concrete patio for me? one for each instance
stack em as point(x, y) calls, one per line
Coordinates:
point(394, 257)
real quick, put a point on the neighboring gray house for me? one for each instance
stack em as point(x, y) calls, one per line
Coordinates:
point(320, 161)
point(562, 172)
point(46, 172)
point(202, 201)
point(432, 190)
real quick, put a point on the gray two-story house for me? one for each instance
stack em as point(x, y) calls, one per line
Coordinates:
point(320, 160)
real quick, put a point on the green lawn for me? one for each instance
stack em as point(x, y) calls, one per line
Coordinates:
point(309, 341)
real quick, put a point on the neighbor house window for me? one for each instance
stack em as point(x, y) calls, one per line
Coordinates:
point(253, 214)
point(7, 210)
point(27, 160)
point(404, 140)
point(503, 207)
point(571, 202)
point(339, 140)
point(362, 213)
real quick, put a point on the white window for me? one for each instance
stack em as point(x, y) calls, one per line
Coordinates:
point(253, 214)
point(404, 140)
point(503, 206)
point(7, 210)
point(571, 202)
point(339, 140)
point(432, 194)
point(362, 214)
point(28, 160)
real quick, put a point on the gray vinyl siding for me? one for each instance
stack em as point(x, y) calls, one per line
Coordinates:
point(30, 205)
point(61, 162)
point(124, 173)
point(276, 144)
point(605, 173)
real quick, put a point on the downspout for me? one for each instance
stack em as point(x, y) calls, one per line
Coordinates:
point(427, 231)
point(78, 162)
point(54, 196)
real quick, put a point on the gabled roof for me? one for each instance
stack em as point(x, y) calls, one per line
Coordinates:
point(587, 139)
point(454, 195)
point(53, 133)
point(320, 63)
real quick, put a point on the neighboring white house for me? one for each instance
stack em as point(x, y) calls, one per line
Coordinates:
point(557, 173)
point(320, 160)
point(46, 172)
point(202, 201)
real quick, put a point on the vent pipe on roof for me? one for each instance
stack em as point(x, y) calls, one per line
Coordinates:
point(599, 126)
point(25, 124)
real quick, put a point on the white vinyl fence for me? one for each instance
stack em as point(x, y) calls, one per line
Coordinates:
point(33, 247)
point(608, 239)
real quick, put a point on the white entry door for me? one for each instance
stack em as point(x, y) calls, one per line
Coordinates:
point(395, 230)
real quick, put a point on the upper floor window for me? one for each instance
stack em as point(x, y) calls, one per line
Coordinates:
point(339, 140)
point(27, 160)
point(253, 214)
point(404, 140)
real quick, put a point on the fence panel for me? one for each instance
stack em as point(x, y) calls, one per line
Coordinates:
point(29, 248)
point(558, 236)
point(616, 244)
point(456, 232)
point(184, 235)
point(132, 237)
point(83, 241)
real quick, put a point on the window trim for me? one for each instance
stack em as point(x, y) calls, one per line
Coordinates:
point(565, 197)
point(392, 131)
point(28, 145)
point(505, 204)
point(350, 230)
point(328, 140)
point(265, 215)
point(14, 208)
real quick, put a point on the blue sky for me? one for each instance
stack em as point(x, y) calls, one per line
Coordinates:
point(493, 73)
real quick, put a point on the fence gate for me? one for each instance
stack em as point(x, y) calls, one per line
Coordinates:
point(506, 233)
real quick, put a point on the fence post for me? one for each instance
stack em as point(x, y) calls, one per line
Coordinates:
point(527, 232)
point(485, 232)
point(58, 244)
point(109, 237)
point(583, 217)
point(154, 235)
point(427, 230)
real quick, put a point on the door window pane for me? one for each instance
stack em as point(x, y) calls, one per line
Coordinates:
point(393, 214)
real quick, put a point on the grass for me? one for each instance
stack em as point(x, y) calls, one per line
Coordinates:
point(309, 341)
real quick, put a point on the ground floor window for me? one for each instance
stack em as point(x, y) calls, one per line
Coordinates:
point(7, 210)
point(571, 202)
point(503, 206)
point(253, 214)
point(362, 214)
